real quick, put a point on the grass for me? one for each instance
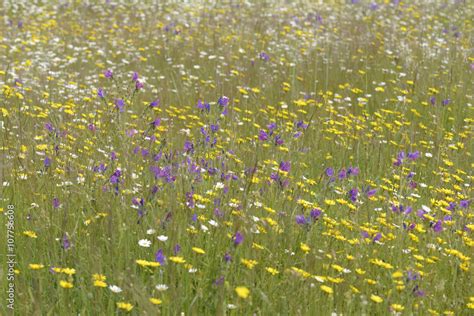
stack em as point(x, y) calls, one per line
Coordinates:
point(273, 175)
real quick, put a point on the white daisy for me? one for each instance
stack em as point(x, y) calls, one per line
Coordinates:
point(161, 287)
point(115, 288)
point(144, 243)
point(162, 238)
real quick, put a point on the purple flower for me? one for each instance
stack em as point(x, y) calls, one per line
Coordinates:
point(272, 126)
point(353, 193)
point(56, 203)
point(119, 104)
point(262, 135)
point(66, 242)
point(438, 227)
point(285, 166)
point(414, 155)
point(342, 174)
point(138, 85)
point(408, 210)
point(223, 101)
point(464, 203)
point(371, 193)
point(238, 238)
point(301, 124)
point(160, 257)
point(452, 206)
point(115, 177)
point(433, 100)
point(412, 276)
point(188, 146)
point(329, 172)
point(135, 76)
point(47, 162)
point(219, 281)
point(156, 122)
point(278, 140)
point(203, 106)
point(214, 128)
point(353, 171)
point(315, 213)
point(155, 103)
point(300, 220)
point(227, 257)
point(108, 74)
point(176, 249)
point(421, 213)
point(446, 101)
point(377, 237)
point(49, 127)
point(264, 56)
point(101, 93)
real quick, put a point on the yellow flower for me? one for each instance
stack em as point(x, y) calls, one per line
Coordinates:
point(177, 259)
point(68, 271)
point(30, 234)
point(326, 289)
point(305, 247)
point(145, 263)
point(99, 277)
point(198, 250)
point(248, 263)
point(155, 301)
point(35, 266)
point(376, 299)
point(100, 283)
point(397, 307)
point(125, 306)
point(242, 291)
point(397, 274)
point(65, 284)
point(272, 271)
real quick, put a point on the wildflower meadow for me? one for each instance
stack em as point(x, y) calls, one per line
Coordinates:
point(237, 157)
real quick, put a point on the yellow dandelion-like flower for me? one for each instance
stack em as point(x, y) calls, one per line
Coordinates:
point(125, 306)
point(330, 202)
point(177, 259)
point(376, 298)
point(30, 234)
point(354, 289)
point(397, 274)
point(326, 289)
point(65, 284)
point(99, 283)
point(249, 263)
point(145, 263)
point(155, 301)
point(35, 266)
point(98, 277)
point(272, 271)
point(397, 307)
point(304, 247)
point(68, 271)
point(242, 291)
point(198, 250)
